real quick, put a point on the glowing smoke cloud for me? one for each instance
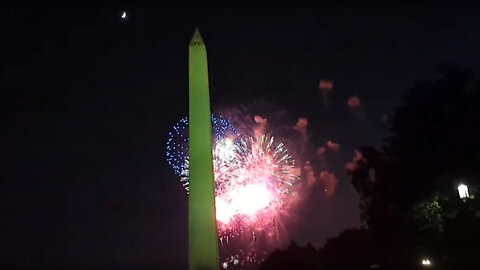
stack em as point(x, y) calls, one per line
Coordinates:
point(325, 87)
point(354, 102)
point(333, 146)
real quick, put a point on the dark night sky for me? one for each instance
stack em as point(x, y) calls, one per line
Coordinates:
point(87, 102)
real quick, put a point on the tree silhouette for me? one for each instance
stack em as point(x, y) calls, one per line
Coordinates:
point(434, 144)
point(407, 189)
point(348, 251)
point(294, 257)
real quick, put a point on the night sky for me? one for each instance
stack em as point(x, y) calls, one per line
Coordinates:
point(87, 102)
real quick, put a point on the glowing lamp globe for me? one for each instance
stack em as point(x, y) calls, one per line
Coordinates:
point(426, 262)
point(463, 191)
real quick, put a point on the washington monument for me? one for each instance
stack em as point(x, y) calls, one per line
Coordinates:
point(203, 236)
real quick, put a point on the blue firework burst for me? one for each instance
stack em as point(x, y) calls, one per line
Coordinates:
point(177, 142)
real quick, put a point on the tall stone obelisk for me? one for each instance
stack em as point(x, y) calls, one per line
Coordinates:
point(203, 236)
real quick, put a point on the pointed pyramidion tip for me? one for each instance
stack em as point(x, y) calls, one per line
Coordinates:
point(197, 38)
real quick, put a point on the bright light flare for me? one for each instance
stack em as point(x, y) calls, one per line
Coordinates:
point(247, 200)
point(252, 198)
point(223, 210)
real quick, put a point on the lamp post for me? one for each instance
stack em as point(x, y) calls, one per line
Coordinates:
point(463, 191)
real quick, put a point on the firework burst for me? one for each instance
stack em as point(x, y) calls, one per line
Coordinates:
point(253, 195)
point(177, 144)
point(253, 176)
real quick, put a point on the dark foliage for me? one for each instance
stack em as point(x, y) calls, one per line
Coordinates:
point(294, 257)
point(350, 250)
point(408, 188)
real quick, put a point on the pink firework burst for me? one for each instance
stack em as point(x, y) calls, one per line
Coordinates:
point(254, 179)
point(252, 192)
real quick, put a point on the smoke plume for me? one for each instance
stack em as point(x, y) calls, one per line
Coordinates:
point(354, 102)
point(333, 146)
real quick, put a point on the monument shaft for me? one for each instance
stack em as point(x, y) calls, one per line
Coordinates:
point(203, 236)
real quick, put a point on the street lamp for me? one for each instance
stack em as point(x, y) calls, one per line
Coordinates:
point(426, 262)
point(463, 191)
